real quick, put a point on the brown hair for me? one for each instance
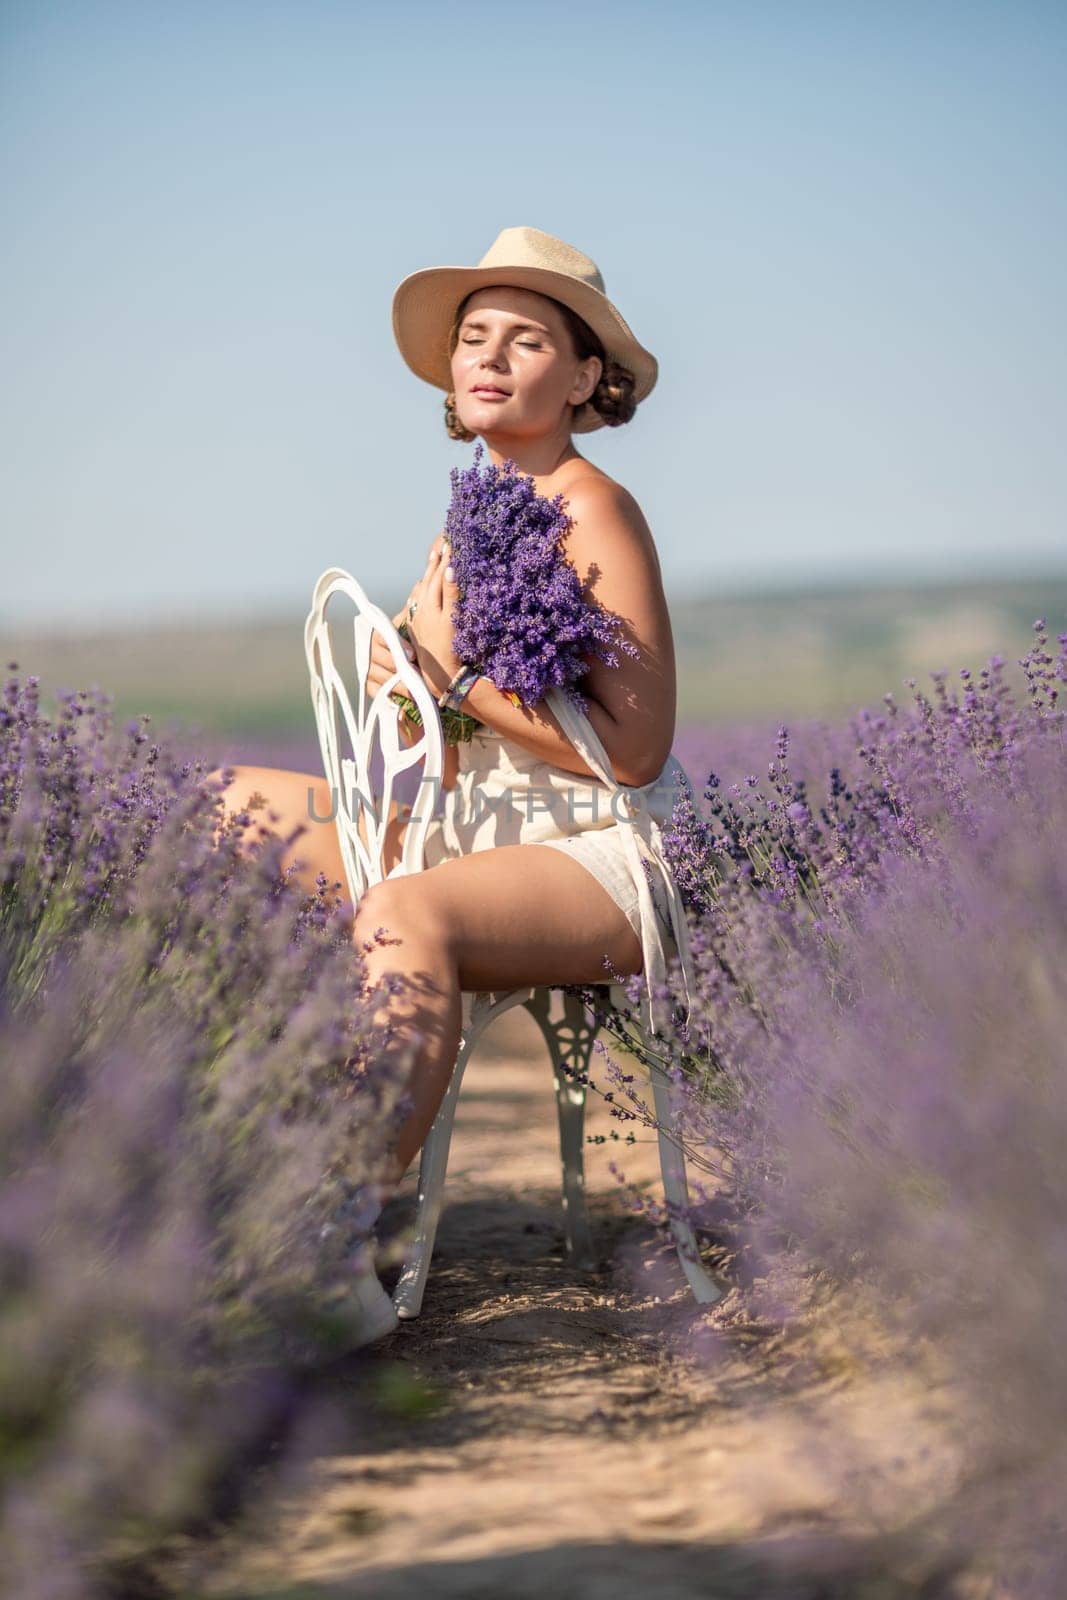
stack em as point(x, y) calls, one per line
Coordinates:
point(612, 399)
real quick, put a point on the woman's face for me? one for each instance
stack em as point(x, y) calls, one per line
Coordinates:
point(515, 342)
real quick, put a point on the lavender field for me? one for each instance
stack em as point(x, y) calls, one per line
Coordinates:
point(872, 1088)
point(746, 662)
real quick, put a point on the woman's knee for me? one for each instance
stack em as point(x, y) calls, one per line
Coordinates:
point(225, 785)
point(397, 905)
point(220, 782)
point(234, 785)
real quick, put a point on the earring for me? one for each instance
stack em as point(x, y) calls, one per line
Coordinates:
point(452, 421)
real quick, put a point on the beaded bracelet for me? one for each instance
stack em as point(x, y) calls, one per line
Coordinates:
point(457, 691)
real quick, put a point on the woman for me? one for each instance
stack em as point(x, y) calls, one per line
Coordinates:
point(529, 351)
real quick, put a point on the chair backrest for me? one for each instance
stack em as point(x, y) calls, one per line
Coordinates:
point(350, 736)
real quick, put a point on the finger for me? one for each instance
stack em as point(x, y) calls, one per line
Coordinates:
point(417, 593)
point(435, 584)
point(381, 667)
point(383, 656)
point(405, 643)
point(446, 587)
point(377, 679)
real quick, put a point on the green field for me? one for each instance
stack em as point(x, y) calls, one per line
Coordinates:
point(816, 651)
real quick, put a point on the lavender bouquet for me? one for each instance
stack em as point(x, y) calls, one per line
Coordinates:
point(521, 616)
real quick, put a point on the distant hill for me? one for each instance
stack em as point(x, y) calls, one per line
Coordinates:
point(802, 652)
point(823, 650)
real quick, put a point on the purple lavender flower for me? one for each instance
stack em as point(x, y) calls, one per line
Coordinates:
point(193, 1111)
point(874, 1072)
point(521, 616)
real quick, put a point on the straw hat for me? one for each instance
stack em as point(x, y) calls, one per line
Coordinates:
point(523, 258)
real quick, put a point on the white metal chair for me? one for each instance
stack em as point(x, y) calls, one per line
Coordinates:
point(371, 725)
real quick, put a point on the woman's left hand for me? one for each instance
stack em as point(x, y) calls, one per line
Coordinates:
point(431, 626)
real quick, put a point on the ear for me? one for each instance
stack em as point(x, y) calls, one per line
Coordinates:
point(592, 371)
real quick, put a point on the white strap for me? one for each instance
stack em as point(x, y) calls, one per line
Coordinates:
point(639, 824)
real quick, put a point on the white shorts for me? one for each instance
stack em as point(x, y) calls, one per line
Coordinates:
point(505, 795)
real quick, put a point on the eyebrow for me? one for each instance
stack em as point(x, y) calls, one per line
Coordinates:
point(516, 327)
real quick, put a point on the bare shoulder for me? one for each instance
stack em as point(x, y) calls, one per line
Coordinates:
point(609, 535)
point(595, 500)
point(611, 547)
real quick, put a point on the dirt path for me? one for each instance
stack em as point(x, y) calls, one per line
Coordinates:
point(594, 1434)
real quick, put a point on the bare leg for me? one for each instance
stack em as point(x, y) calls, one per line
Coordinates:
point(497, 919)
point(301, 798)
point(483, 921)
point(430, 1002)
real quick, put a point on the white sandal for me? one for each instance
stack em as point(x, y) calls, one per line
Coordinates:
point(371, 1308)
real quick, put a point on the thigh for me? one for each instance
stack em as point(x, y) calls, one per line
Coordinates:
point(518, 914)
point(302, 799)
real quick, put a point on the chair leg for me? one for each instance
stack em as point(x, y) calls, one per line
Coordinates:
point(433, 1165)
point(570, 1042)
point(676, 1189)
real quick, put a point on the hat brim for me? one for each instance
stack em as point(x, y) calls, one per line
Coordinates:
point(425, 303)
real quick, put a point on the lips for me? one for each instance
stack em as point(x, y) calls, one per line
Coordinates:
point(489, 388)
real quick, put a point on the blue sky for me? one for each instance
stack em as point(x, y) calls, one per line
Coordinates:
point(839, 227)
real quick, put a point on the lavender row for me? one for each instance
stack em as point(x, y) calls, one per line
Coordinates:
point(193, 1110)
point(873, 1080)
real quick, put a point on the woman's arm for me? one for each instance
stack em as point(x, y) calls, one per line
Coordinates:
point(632, 706)
point(409, 732)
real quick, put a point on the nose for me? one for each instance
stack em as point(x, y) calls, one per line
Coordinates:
point(491, 352)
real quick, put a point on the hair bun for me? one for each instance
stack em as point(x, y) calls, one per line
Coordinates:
point(613, 398)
